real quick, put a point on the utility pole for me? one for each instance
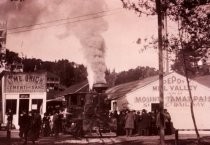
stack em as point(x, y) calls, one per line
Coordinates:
point(3, 33)
point(165, 29)
point(160, 15)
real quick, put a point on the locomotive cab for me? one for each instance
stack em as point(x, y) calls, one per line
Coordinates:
point(88, 112)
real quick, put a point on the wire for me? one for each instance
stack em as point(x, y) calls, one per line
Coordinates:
point(63, 19)
point(45, 27)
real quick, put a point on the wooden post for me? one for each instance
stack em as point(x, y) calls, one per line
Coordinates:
point(8, 135)
point(160, 50)
point(176, 137)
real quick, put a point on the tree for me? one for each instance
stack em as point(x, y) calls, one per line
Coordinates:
point(135, 74)
point(192, 41)
point(110, 78)
point(32, 64)
point(194, 25)
point(69, 72)
point(12, 57)
point(191, 64)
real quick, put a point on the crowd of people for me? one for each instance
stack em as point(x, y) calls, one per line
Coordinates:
point(141, 122)
point(127, 123)
point(32, 125)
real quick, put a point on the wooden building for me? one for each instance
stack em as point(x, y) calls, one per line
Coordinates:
point(25, 92)
point(144, 94)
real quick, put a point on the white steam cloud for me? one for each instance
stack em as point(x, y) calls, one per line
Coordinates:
point(90, 36)
point(89, 31)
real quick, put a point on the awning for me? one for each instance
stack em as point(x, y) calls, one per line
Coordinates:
point(62, 98)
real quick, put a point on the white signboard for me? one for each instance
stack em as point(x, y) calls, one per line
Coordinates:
point(176, 100)
point(25, 82)
point(34, 107)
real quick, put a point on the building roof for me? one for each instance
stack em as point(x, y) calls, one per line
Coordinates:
point(204, 80)
point(74, 89)
point(122, 89)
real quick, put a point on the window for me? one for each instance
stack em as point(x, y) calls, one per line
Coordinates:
point(82, 101)
point(37, 105)
point(11, 104)
point(74, 100)
point(114, 106)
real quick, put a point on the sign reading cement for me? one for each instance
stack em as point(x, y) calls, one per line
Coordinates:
point(20, 83)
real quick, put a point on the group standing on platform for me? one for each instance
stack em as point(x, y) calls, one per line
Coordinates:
point(142, 123)
point(128, 123)
point(32, 125)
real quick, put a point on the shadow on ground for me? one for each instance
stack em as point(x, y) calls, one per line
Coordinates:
point(67, 141)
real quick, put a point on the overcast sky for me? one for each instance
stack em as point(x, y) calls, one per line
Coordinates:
point(122, 53)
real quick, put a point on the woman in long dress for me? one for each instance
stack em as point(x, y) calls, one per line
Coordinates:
point(129, 123)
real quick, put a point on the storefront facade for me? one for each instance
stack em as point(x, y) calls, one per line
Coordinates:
point(176, 100)
point(23, 92)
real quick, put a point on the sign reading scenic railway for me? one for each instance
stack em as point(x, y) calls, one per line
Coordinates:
point(176, 93)
point(176, 100)
point(20, 83)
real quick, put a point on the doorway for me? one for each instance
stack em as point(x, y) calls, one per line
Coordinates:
point(23, 106)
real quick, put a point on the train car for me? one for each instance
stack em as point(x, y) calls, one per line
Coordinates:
point(90, 116)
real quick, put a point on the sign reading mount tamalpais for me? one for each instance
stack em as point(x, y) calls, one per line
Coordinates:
point(176, 93)
point(25, 82)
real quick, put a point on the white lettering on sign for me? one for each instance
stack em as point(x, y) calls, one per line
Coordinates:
point(25, 78)
point(173, 80)
point(175, 84)
point(25, 83)
point(175, 101)
point(175, 88)
point(23, 96)
point(187, 104)
point(187, 98)
point(146, 99)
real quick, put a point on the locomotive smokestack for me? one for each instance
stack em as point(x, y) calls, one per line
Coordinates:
point(100, 87)
point(90, 36)
point(88, 27)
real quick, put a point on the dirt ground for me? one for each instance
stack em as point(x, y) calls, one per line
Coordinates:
point(119, 140)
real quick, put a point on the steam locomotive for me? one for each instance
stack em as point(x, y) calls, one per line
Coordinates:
point(91, 117)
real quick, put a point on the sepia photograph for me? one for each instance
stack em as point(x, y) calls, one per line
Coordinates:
point(97, 72)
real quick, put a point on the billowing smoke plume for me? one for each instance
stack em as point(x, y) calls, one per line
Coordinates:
point(90, 36)
point(20, 13)
point(94, 49)
point(88, 31)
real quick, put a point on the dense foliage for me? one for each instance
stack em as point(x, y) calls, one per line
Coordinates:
point(192, 22)
point(192, 40)
point(135, 74)
point(130, 75)
point(71, 73)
